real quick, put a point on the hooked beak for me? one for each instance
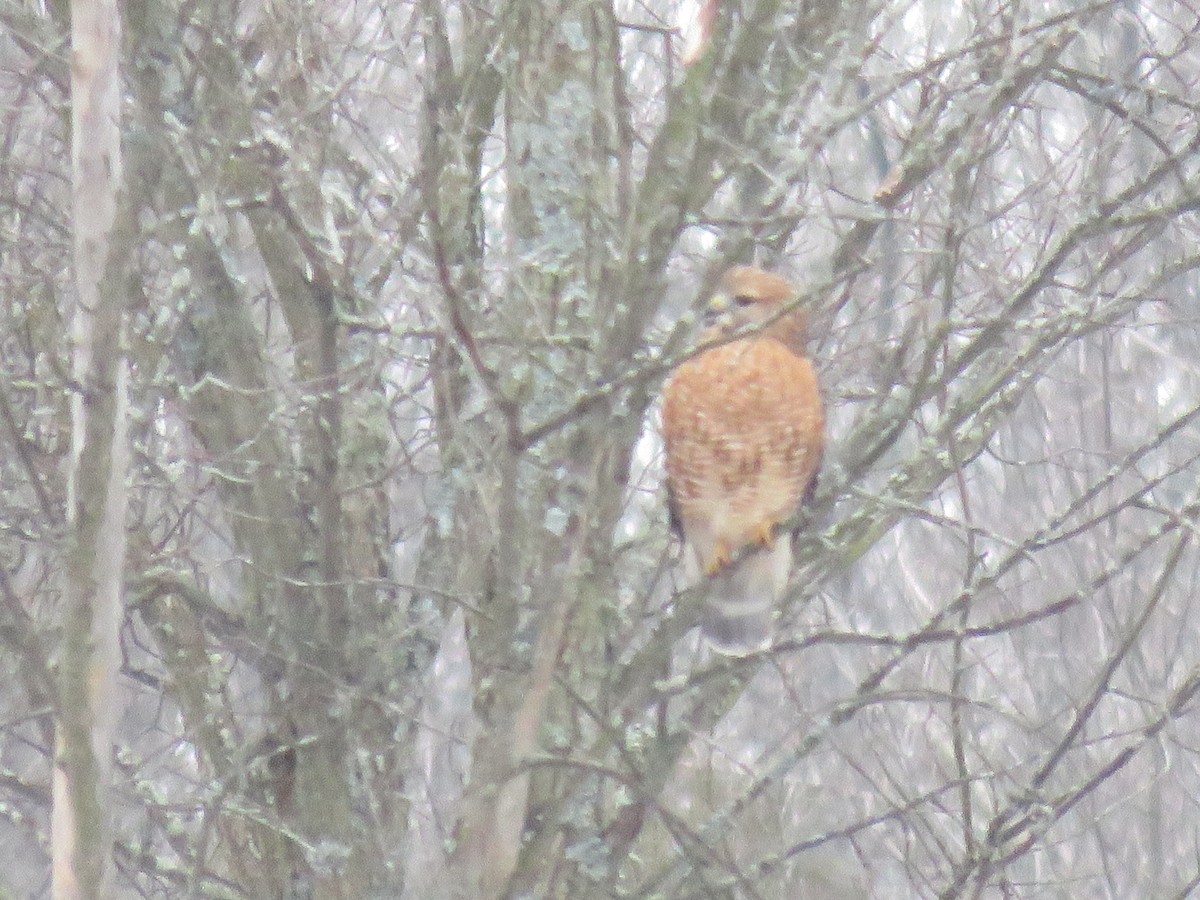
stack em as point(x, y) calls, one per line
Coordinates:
point(716, 310)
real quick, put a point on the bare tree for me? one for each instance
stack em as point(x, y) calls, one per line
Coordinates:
point(97, 500)
point(401, 283)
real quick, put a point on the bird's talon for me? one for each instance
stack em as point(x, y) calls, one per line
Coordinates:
point(765, 534)
point(720, 559)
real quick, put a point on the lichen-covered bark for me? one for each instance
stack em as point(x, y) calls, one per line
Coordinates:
point(89, 704)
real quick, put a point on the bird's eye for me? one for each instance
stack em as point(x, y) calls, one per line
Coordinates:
point(743, 300)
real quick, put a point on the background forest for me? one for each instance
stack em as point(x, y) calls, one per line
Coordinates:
point(401, 616)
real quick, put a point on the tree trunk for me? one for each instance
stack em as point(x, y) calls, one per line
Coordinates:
point(96, 497)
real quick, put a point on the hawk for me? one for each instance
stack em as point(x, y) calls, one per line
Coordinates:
point(744, 431)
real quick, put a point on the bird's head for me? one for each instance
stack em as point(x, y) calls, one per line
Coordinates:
point(746, 297)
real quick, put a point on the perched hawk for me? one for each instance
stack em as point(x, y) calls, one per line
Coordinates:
point(744, 431)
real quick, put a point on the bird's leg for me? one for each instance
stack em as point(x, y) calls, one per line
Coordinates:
point(765, 534)
point(721, 557)
point(722, 554)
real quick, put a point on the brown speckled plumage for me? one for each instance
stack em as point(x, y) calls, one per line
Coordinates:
point(744, 430)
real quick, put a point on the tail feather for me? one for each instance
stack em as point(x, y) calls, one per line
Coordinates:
point(741, 607)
